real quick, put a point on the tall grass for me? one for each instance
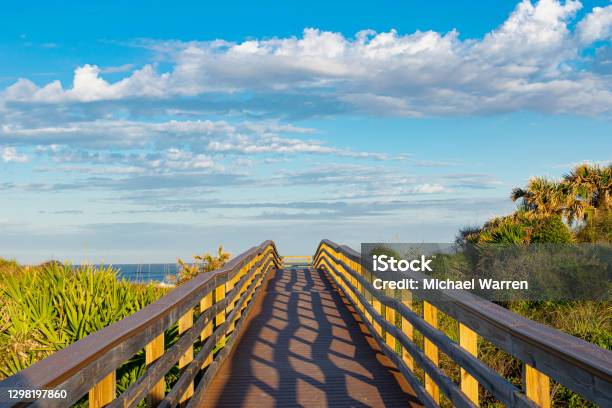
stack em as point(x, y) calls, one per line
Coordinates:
point(46, 308)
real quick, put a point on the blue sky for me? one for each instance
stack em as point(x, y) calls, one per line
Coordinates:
point(145, 132)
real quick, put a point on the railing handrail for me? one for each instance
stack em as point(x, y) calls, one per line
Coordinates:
point(573, 362)
point(153, 319)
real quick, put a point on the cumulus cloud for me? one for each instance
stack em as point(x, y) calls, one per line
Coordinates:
point(10, 154)
point(88, 86)
point(527, 63)
point(596, 26)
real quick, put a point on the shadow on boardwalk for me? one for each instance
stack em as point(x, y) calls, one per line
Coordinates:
point(303, 347)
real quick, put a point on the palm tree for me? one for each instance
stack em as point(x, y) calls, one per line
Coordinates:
point(541, 197)
point(588, 190)
point(592, 184)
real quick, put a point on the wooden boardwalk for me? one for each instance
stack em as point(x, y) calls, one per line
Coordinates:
point(301, 346)
point(296, 341)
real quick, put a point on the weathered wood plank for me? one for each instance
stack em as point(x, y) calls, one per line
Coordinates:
point(103, 392)
point(468, 339)
point(184, 324)
point(205, 304)
point(430, 315)
point(408, 330)
point(220, 318)
point(390, 316)
point(153, 351)
point(537, 386)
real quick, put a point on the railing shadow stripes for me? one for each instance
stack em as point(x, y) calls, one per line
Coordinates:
point(222, 298)
point(547, 353)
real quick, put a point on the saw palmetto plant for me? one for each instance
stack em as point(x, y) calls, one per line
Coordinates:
point(46, 308)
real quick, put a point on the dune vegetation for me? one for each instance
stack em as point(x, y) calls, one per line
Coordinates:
point(47, 307)
point(575, 209)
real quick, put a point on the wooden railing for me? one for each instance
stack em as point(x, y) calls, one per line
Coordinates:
point(219, 300)
point(545, 352)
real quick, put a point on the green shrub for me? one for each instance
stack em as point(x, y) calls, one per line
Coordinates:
point(520, 228)
point(201, 263)
point(597, 229)
point(551, 230)
point(46, 308)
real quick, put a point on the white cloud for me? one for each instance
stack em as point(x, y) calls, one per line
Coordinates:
point(596, 26)
point(110, 133)
point(9, 154)
point(528, 63)
point(429, 188)
point(88, 86)
point(199, 139)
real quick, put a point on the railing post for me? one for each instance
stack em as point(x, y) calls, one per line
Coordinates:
point(220, 318)
point(430, 315)
point(468, 339)
point(537, 386)
point(408, 331)
point(185, 322)
point(229, 285)
point(103, 393)
point(205, 304)
point(390, 317)
point(153, 351)
point(377, 307)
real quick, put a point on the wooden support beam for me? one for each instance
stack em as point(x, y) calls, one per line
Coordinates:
point(220, 318)
point(408, 330)
point(378, 307)
point(537, 386)
point(103, 393)
point(229, 285)
point(390, 317)
point(184, 324)
point(468, 339)
point(153, 351)
point(205, 304)
point(430, 315)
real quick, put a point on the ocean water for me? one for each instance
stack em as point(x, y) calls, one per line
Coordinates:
point(146, 272)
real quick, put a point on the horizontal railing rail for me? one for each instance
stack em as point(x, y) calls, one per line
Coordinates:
point(546, 352)
point(88, 366)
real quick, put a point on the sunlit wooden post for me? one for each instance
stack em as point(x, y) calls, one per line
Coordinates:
point(390, 317)
point(220, 318)
point(153, 351)
point(359, 271)
point(229, 285)
point(408, 330)
point(537, 386)
point(205, 304)
point(103, 393)
point(468, 339)
point(430, 315)
point(377, 306)
point(184, 324)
